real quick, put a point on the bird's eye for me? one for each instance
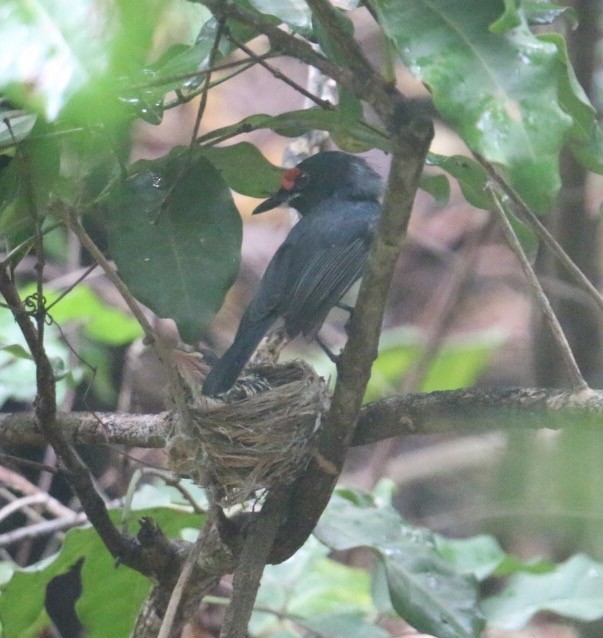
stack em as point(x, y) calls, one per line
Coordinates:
point(302, 181)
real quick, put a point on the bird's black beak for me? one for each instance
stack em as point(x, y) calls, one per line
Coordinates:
point(282, 196)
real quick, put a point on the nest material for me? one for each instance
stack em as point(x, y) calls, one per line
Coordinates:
point(238, 447)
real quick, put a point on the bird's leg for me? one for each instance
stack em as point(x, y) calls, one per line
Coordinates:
point(345, 306)
point(326, 349)
point(350, 310)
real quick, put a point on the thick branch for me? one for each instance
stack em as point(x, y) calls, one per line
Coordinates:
point(472, 409)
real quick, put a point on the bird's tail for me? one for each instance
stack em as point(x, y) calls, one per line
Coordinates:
point(227, 370)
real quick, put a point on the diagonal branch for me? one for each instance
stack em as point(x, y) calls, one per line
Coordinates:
point(576, 379)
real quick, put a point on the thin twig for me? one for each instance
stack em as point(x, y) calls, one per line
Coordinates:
point(325, 104)
point(540, 229)
point(172, 609)
point(75, 225)
point(203, 102)
point(576, 379)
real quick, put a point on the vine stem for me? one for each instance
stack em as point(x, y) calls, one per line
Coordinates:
point(576, 378)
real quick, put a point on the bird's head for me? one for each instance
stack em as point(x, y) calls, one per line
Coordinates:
point(324, 175)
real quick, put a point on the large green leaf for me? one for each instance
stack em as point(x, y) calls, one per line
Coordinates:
point(111, 596)
point(175, 235)
point(499, 91)
point(574, 589)
point(425, 590)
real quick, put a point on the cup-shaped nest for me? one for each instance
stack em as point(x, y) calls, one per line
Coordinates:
point(235, 448)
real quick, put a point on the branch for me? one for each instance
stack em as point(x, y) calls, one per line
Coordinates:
point(46, 421)
point(466, 410)
point(576, 379)
point(364, 82)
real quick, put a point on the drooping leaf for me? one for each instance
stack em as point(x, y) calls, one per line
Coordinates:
point(499, 91)
point(585, 137)
point(175, 235)
point(437, 186)
point(573, 589)
point(425, 590)
point(295, 123)
point(244, 168)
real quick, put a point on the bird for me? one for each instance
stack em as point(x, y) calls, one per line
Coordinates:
point(338, 198)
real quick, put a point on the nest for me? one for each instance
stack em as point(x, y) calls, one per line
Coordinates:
point(237, 447)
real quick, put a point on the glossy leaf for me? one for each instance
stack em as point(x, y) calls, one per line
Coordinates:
point(499, 91)
point(425, 590)
point(175, 235)
point(573, 589)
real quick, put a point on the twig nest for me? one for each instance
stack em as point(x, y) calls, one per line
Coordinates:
point(238, 446)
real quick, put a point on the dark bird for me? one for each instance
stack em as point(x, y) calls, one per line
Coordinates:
point(337, 196)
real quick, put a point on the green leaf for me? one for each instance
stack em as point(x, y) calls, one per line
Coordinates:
point(351, 136)
point(244, 168)
point(472, 177)
point(482, 556)
point(175, 236)
point(539, 12)
point(18, 351)
point(499, 91)
point(51, 50)
point(27, 185)
point(111, 596)
point(294, 13)
point(426, 591)
point(437, 186)
point(574, 590)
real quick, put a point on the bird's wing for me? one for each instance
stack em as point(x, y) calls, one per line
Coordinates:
point(273, 285)
point(325, 277)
